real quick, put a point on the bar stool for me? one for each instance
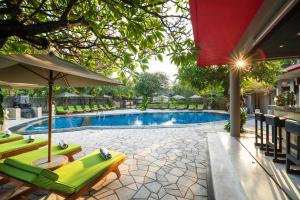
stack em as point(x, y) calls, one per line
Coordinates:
point(261, 118)
point(292, 128)
point(274, 146)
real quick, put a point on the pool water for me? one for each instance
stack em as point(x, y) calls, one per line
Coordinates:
point(134, 120)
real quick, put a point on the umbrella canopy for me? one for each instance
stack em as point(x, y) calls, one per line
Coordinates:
point(48, 70)
point(85, 95)
point(10, 85)
point(178, 97)
point(66, 94)
point(35, 69)
point(195, 97)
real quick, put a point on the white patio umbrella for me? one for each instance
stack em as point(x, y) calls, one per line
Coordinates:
point(178, 97)
point(107, 96)
point(66, 95)
point(86, 95)
point(195, 97)
point(48, 70)
point(10, 85)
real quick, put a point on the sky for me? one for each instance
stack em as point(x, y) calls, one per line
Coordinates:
point(166, 67)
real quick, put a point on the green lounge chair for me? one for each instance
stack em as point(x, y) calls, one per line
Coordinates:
point(154, 106)
point(20, 146)
point(172, 106)
point(192, 107)
point(95, 108)
point(164, 106)
point(79, 109)
point(70, 181)
point(61, 110)
point(200, 107)
point(11, 138)
point(87, 108)
point(181, 106)
point(71, 109)
point(30, 157)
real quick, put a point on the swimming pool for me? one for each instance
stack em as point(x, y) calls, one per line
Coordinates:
point(128, 120)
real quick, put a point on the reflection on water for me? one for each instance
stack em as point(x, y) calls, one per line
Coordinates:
point(142, 119)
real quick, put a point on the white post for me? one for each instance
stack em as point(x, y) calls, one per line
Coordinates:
point(292, 87)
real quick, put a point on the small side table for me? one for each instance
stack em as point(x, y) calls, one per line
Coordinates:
point(57, 161)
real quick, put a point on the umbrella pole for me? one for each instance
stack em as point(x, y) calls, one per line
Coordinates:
point(50, 98)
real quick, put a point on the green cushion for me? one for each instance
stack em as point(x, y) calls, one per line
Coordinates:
point(17, 173)
point(192, 106)
point(20, 144)
point(172, 106)
point(73, 176)
point(71, 108)
point(60, 109)
point(32, 169)
point(78, 108)
point(87, 107)
point(201, 106)
point(30, 157)
point(12, 137)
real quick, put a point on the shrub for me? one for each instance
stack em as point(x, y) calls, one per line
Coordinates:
point(243, 118)
point(145, 102)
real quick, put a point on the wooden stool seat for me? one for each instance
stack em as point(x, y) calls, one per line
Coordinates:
point(274, 146)
point(261, 118)
point(292, 128)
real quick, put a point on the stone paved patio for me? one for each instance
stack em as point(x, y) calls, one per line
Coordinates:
point(162, 163)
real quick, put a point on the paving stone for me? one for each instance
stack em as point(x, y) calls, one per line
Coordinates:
point(176, 193)
point(186, 181)
point(126, 180)
point(169, 197)
point(125, 193)
point(142, 193)
point(171, 178)
point(162, 192)
point(104, 194)
point(153, 187)
point(132, 186)
point(198, 190)
point(115, 185)
point(154, 196)
point(111, 197)
point(176, 172)
point(139, 179)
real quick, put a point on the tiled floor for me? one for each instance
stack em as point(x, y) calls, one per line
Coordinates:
point(162, 163)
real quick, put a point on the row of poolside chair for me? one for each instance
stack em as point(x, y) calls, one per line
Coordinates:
point(69, 181)
point(177, 106)
point(81, 109)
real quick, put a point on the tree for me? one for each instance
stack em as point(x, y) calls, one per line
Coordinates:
point(183, 90)
point(105, 35)
point(214, 78)
point(148, 84)
point(201, 78)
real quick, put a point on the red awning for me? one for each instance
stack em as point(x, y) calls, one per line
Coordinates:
point(292, 67)
point(218, 26)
